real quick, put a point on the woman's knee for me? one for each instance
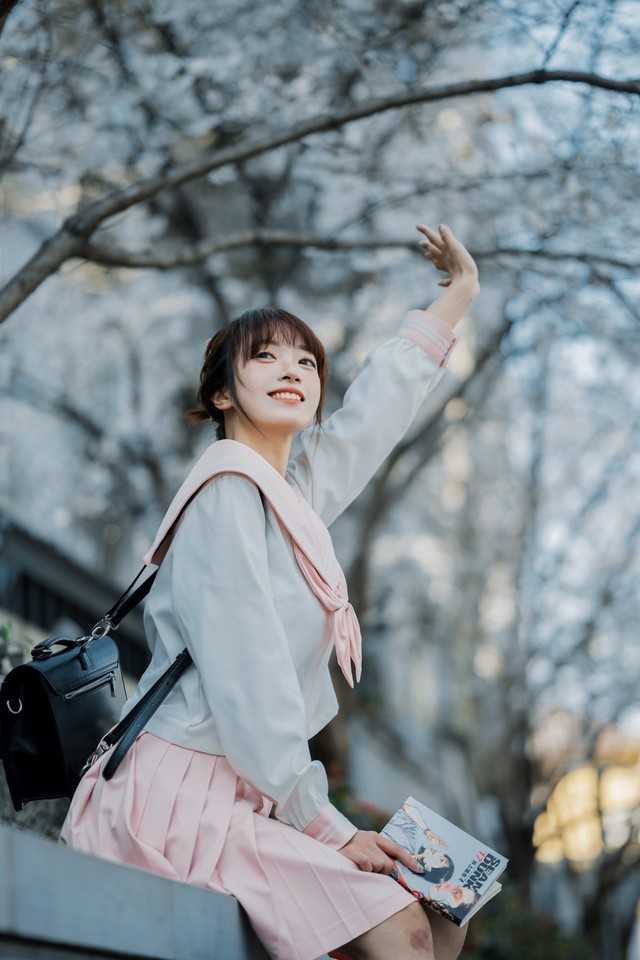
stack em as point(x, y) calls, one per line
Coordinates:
point(404, 936)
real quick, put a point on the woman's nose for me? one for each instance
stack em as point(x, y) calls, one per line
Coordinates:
point(289, 375)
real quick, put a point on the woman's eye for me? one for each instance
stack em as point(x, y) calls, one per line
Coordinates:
point(264, 353)
point(308, 360)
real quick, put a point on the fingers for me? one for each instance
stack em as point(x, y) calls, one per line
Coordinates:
point(442, 238)
point(436, 245)
point(400, 853)
point(433, 244)
point(367, 853)
point(446, 233)
point(375, 864)
point(375, 853)
point(374, 861)
point(432, 236)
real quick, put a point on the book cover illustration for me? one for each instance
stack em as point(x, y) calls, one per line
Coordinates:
point(455, 874)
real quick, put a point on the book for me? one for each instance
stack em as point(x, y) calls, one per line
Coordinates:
point(455, 874)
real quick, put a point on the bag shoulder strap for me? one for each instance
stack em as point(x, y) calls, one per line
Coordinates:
point(129, 599)
point(125, 732)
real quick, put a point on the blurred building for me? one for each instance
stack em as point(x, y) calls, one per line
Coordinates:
point(46, 589)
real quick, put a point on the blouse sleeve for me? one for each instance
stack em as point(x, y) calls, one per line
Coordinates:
point(224, 605)
point(331, 466)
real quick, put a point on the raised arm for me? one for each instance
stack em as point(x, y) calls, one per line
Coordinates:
point(331, 466)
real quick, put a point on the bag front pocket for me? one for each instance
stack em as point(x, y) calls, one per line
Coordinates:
point(95, 684)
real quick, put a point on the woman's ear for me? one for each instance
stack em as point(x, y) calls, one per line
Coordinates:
point(222, 400)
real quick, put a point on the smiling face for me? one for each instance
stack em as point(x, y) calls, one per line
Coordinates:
point(278, 388)
point(263, 379)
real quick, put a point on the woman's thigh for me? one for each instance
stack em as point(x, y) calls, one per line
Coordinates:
point(414, 933)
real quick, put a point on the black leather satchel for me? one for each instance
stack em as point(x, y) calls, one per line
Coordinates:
point(55, 709)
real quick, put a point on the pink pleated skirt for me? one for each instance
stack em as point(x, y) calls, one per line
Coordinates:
point(186, 815)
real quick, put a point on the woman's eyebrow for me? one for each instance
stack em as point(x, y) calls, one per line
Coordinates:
point(278, 343)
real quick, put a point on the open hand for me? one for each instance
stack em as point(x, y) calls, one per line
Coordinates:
point(448, 254)
point(374, 853)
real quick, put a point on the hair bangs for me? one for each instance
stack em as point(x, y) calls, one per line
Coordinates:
point(256, 328)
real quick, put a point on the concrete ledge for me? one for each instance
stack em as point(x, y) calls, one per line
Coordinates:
point(56, 902)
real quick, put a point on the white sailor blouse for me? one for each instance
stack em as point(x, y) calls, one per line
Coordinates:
point(231, 590)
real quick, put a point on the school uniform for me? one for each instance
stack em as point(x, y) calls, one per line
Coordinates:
point(249, 583)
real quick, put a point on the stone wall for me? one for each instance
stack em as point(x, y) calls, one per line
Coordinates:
point(56, 903)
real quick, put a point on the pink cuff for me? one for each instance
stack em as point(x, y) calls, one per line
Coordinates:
point(429, 332)
point(331, 827)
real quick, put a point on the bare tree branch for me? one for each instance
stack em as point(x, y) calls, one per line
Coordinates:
point(76, 230)
point(556, 255)
point(564, 26)
point(114, 256)
point(119, 257)
point(6, 6)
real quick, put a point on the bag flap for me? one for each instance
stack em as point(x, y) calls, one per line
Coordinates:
point(68, 668)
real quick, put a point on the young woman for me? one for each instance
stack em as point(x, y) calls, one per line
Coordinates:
point(249, 583)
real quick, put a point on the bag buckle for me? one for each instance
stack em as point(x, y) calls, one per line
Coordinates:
point(99, 630)
point(102, 747)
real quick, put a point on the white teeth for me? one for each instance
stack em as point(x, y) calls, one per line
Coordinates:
point(286, 396)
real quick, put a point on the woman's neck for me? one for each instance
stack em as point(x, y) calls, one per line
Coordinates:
point(275, 450)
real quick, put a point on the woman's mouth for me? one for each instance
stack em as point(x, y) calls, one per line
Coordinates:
point(287, 396)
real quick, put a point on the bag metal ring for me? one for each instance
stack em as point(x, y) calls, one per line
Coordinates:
point(101, 628)
point(98, 630)
point(10, 708)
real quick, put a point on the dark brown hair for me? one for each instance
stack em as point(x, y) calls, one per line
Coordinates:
point(237, 343)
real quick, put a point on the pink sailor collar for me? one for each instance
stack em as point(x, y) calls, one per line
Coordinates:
point(312, 544)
